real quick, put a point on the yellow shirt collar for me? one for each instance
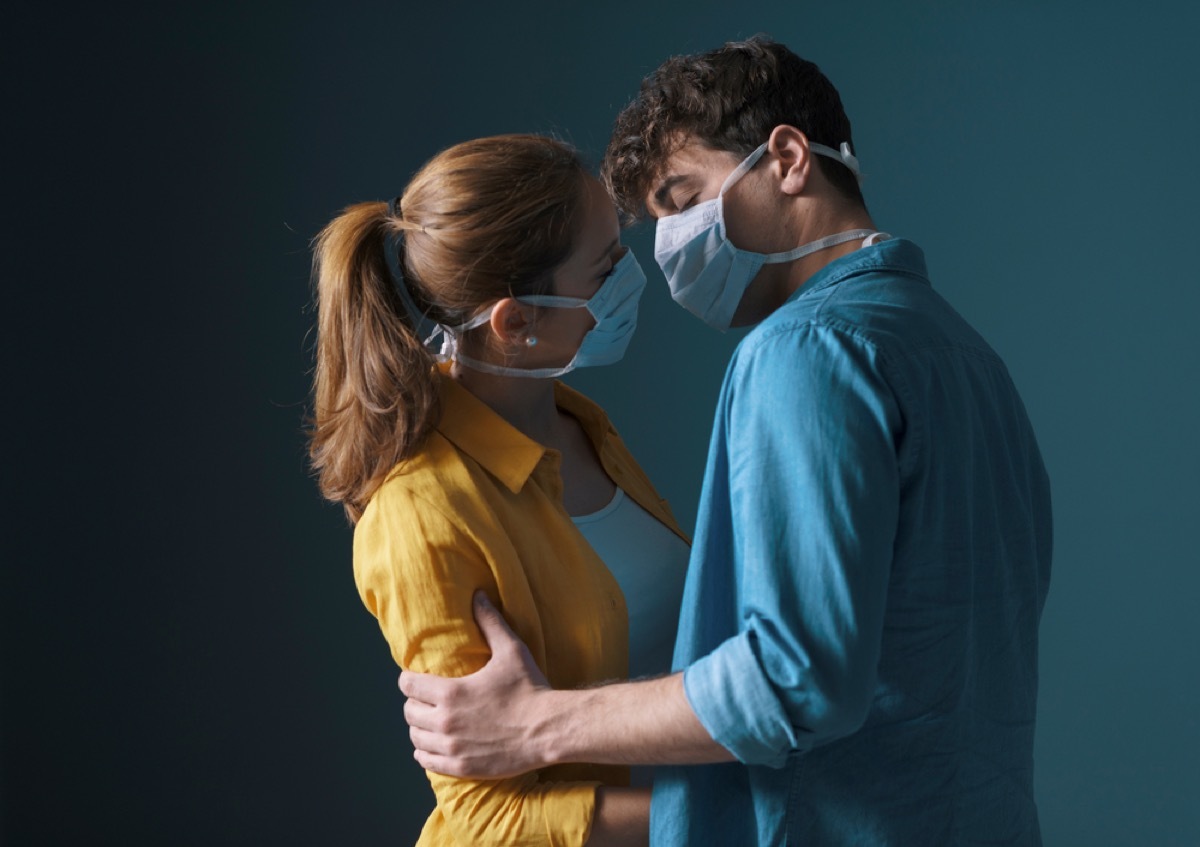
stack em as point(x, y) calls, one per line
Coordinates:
point(499, 447)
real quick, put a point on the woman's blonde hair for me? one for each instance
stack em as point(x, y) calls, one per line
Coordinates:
point(482, 220)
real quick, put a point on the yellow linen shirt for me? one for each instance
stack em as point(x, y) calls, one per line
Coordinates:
point(480, 507)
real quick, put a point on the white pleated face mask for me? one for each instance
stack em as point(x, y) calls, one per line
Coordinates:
point(614, 306)
point(706, 273)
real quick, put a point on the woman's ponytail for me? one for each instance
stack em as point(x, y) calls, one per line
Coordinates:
point(375, 394)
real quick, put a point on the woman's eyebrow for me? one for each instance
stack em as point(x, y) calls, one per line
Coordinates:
point(608, 251)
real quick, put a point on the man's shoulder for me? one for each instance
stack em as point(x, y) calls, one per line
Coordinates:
point(815, 320)
point(887, 310)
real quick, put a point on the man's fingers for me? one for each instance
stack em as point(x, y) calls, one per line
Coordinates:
point(439, 764)
point(452, 764)
point(496, 631)
point(419, 686)
point(421, 715)
point(430, 742)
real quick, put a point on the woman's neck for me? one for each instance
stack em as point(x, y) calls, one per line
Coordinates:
point(526, 403)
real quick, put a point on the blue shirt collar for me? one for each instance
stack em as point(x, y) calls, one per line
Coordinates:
point(895, 255)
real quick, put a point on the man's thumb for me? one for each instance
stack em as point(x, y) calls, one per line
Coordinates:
point(491, 623)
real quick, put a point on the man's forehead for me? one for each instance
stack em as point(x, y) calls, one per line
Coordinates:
point(687, 158)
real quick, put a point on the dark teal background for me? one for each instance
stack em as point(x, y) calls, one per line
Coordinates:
point(185, 660)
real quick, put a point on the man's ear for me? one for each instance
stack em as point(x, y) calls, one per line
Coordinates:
point(789, 148)
point(512, 322)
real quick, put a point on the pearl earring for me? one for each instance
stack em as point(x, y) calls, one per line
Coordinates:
point(531, 341)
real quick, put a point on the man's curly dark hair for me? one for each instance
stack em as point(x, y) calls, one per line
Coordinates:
point(727, 99)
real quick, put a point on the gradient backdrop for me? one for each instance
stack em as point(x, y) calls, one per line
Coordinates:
point(185, 659)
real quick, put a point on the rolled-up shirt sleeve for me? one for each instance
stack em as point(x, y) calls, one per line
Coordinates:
point(809, 456)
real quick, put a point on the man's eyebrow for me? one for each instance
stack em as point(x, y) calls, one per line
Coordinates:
point(660, 194)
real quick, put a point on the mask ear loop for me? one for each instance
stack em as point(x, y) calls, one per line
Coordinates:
point(742, 169)
point(450, 343)
point(843, 155)
point(451, 334)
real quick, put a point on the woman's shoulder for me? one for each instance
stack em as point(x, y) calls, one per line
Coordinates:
point(431, 475)
point(432, 498)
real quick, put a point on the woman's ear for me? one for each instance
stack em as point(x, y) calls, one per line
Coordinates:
point(512, 322)
point(789, 147)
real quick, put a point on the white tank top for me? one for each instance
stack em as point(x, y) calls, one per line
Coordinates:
point(649, 562)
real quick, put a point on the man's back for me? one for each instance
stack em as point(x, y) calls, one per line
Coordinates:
point(871, 561)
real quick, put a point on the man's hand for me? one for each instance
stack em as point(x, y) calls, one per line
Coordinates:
point(505, 719)
point(485, 725)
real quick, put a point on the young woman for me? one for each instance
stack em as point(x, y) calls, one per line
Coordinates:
point(477, 470)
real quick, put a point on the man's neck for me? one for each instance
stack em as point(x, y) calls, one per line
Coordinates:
point(821, 222)
point(775, 284)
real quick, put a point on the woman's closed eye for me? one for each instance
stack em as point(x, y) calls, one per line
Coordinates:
point(617, 255)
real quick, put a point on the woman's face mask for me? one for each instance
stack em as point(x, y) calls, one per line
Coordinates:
point(614, 307)
point(707, 274)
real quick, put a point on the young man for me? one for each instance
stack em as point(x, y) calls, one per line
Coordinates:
point(872, 552)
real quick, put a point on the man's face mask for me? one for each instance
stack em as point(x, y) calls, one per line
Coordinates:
point(706, 273)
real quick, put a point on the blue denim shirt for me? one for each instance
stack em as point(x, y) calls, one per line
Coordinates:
point(871, 559)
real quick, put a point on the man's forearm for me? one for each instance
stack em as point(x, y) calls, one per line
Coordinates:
point(648, 722)
point(505, 719)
